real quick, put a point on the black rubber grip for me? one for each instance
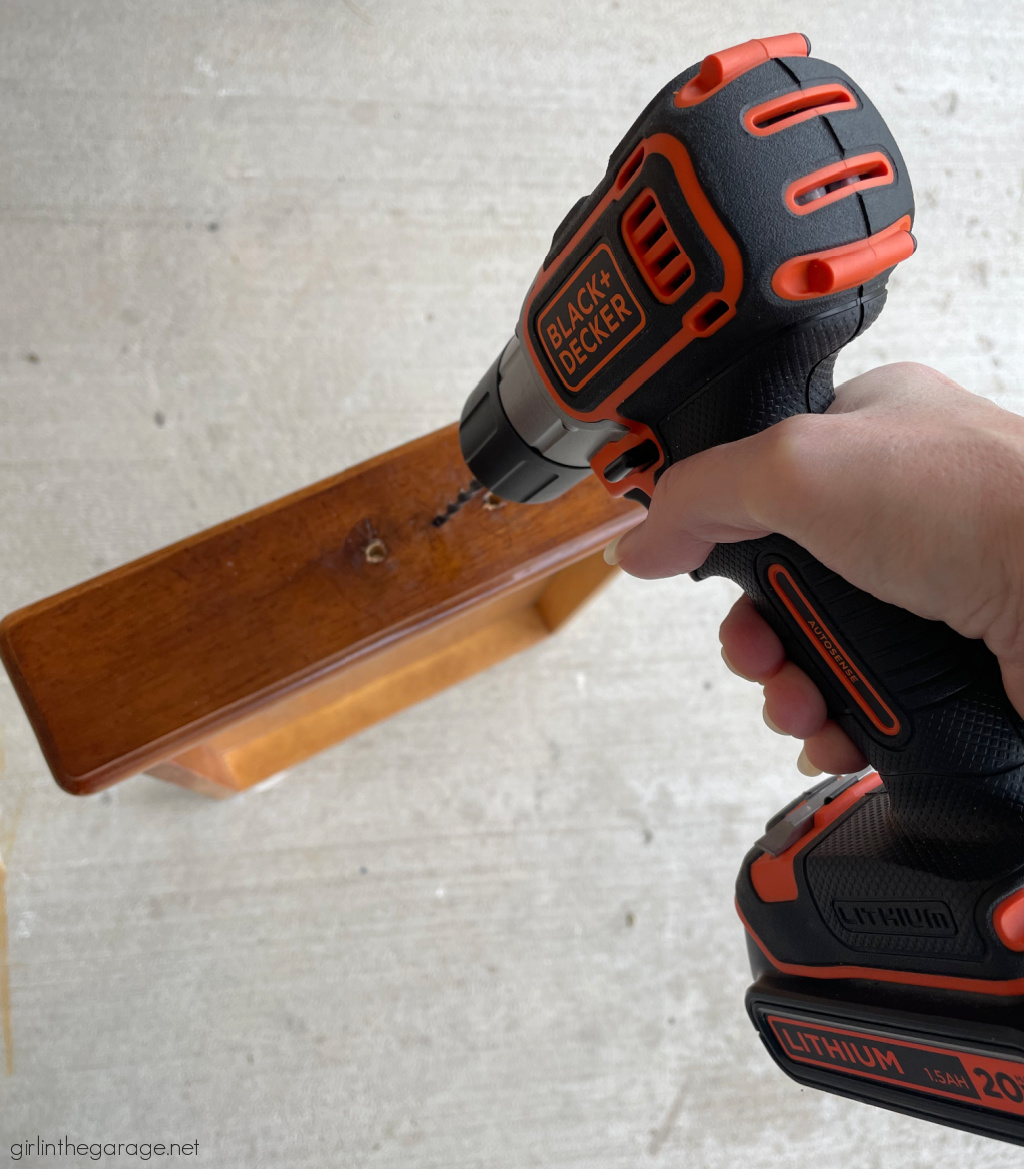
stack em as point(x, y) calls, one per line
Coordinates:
point(924, 704)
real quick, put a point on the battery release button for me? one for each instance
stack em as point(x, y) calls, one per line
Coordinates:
point(1008, 921)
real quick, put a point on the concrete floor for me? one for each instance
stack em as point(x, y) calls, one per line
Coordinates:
point(243, 246)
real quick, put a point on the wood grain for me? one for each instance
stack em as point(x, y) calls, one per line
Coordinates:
point(277, 629)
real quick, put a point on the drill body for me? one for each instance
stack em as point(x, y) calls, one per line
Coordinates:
point(679, 277)
point(743, 233)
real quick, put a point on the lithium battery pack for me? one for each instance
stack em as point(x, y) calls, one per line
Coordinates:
point(933, 1055)
point(888, 967)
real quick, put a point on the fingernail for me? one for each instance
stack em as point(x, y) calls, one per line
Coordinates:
point(729, 666)
point(770, 725)
point(805, 766)
point(611, 553)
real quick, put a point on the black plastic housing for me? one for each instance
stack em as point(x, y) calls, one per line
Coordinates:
point(744, 177)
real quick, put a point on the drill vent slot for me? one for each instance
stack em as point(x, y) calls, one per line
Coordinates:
point(792, 108)
point(630, 168)
point(654, 247)
point(837, 181)
point(702, 321)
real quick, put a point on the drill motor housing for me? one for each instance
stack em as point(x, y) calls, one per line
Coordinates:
point(743, 224)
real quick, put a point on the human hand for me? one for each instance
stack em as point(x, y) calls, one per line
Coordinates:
point(909, 486)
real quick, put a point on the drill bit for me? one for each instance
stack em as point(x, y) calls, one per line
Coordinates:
point(459, 501)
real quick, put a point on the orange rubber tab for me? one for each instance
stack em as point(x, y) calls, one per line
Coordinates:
point(839, 180)
point(1008, 921)
point(837, 269)
point(773, 877)
point(718, 69)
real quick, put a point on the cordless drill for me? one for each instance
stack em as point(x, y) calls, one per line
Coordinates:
point(743, 233)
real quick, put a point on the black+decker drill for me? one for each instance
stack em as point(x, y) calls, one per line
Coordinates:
point(744, 232)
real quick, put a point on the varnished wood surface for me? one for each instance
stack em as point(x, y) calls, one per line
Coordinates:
point(422, 658)
point(141, 663)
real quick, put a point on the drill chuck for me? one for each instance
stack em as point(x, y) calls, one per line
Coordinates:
point(518, 442)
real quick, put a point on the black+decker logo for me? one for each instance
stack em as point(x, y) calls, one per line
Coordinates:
point(589, 319)
point(904, 918)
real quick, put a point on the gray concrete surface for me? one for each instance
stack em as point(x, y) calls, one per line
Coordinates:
point(245, 245)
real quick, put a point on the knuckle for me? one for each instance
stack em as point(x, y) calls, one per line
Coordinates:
point(919, 372)
point(899, 379)
point(915, 375)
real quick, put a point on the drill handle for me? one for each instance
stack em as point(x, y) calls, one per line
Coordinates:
point(925, 704)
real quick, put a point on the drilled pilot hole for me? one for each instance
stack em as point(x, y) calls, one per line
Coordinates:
point(491, 501)
point(375, 552)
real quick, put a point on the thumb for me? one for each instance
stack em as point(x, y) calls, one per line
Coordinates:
point(718, 496)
